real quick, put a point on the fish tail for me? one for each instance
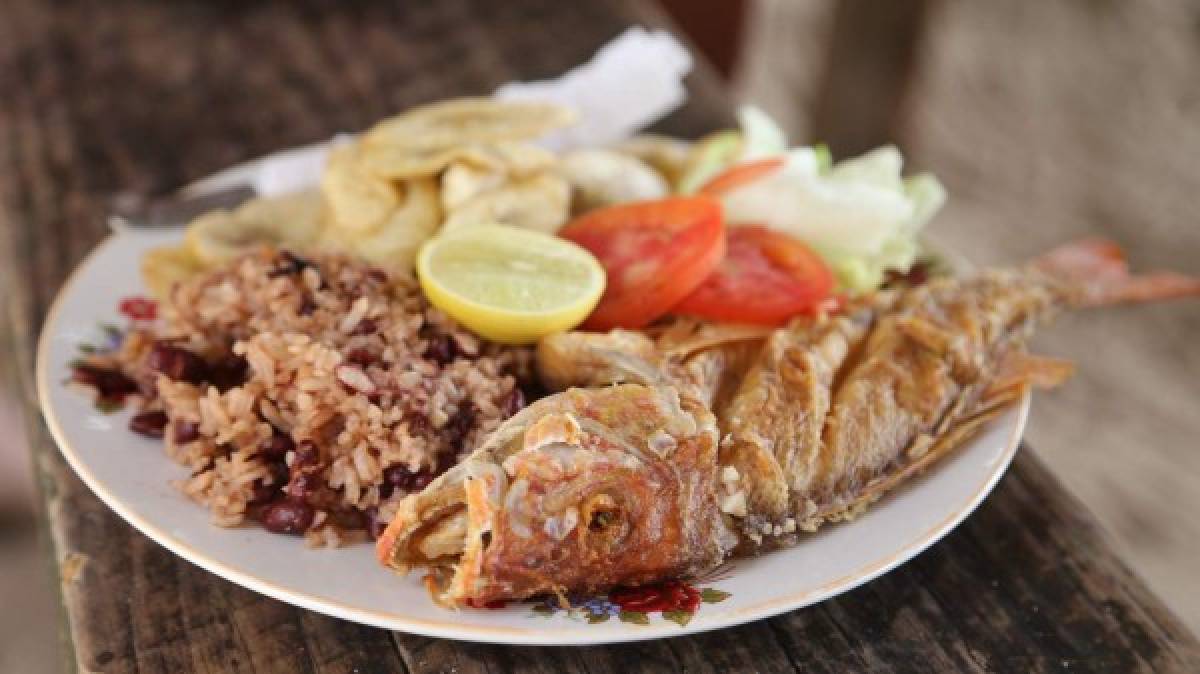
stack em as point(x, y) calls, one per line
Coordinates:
point(1098, 268)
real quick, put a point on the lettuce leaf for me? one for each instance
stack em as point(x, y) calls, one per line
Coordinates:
point(861, 214)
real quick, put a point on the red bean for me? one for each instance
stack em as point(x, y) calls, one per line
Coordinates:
point(150, 423)
point(277, 447)
point(303, 487)
point(513, 403)
point(228, 372)
point(288, 517)
point(400, 477)
point(375, 527)
point(361, 356)
point(288, 264)
point(441, 349)
point(459, 426)
point(177, 364)
point(307, 456)
point(365, 327)
point(397, 476)
point(185, 432)
point(264, 493)
point(110, 384)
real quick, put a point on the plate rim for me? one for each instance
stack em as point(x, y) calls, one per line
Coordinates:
point(448, 629)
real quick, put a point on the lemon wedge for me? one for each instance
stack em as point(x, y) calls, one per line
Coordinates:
point(508, 284)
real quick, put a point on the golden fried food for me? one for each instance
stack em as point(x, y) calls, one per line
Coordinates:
point(162, 268)
point(540, 203)
point(393, 243)
point(467, 121)
point(600, 178)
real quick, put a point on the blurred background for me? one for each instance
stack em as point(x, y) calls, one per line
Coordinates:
point(1046, 121)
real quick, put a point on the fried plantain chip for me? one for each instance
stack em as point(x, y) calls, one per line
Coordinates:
point(463, 181)
point(541, 202)
point(359, 199)
point(666, 155)
point(601, 178)
point(466, 121)
point(162, 268)
point(393, 245)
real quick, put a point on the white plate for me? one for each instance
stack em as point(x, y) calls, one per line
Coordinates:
point(131, 474)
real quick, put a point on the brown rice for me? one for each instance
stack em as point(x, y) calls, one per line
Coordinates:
point(355, 391)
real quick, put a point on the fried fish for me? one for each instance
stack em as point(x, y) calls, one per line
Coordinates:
point(626, 482)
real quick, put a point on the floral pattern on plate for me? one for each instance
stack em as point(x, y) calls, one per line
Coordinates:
point(677, 601)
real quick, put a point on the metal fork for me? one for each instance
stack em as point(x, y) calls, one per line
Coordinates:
point(131, 212)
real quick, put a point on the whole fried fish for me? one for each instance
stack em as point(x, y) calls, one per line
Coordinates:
point(581, 491)
point(626, 483)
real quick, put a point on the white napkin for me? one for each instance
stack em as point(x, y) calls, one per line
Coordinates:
point(632, 82)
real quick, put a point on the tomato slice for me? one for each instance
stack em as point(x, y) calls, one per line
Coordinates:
point(740, 174)
point(766, 278)
point(655, 253)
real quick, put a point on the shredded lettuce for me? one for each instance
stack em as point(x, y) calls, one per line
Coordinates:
point(860, 214)
point(762, 137)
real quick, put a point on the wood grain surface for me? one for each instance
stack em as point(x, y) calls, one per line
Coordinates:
point(103, 97)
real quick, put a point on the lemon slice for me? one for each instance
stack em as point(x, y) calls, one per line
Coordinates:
point(507, 284)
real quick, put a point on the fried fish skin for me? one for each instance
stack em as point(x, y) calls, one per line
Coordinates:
point(581, 491)
point(772, 426)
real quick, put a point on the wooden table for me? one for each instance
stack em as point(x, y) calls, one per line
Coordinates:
point(102, 97)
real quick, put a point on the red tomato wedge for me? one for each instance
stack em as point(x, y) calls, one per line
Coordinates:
point(655, 253)
point(765, 278)
point(740, 174)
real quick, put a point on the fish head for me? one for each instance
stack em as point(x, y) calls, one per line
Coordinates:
point(586, 490)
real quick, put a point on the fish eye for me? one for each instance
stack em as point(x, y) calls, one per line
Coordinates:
point(601, 519)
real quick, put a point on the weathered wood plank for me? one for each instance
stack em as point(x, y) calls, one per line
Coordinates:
point(152, 95)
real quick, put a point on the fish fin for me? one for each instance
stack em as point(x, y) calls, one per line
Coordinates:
point(1019, 369)
point(923, 453)
point(717, 336)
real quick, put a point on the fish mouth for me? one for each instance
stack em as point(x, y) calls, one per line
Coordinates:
point(446, 529)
